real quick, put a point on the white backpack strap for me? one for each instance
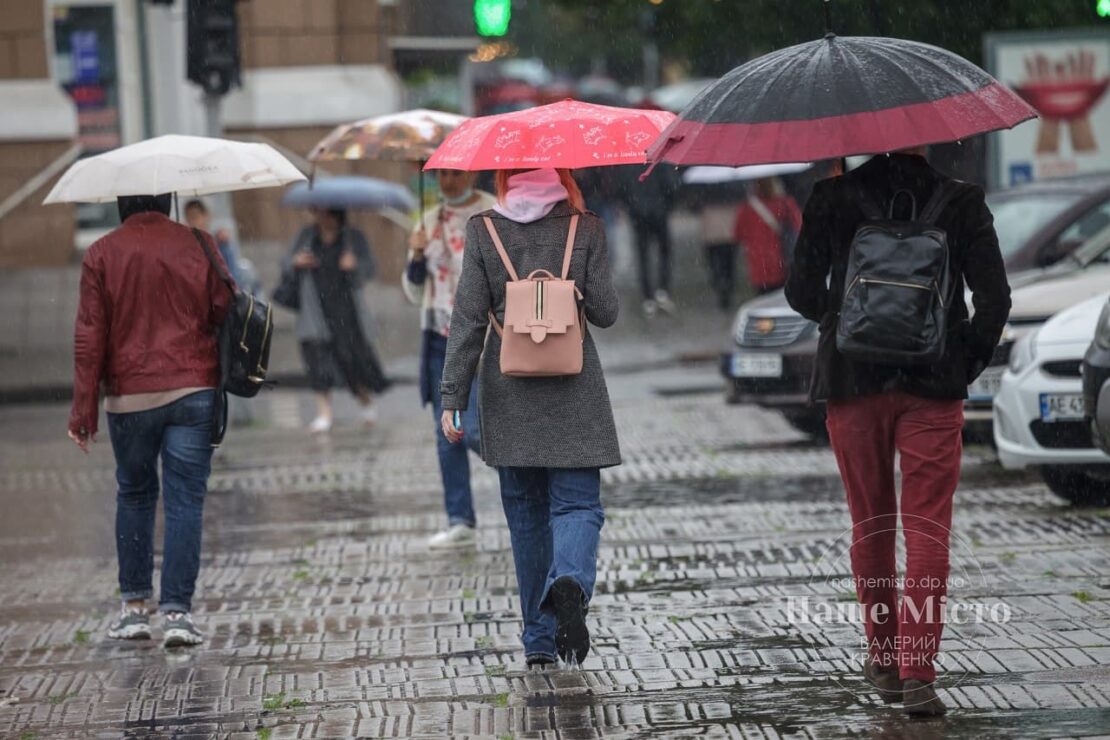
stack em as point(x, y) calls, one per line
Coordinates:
point(500, 248)
point(764, 213)
point(570, 244)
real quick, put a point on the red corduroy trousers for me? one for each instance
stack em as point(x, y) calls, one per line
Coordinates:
point(865, 434)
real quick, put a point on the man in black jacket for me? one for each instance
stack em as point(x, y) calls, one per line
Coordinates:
point(875, 410)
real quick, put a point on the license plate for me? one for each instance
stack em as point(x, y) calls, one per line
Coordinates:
point(1062, 407)
point(756, 366)
point(986, 386)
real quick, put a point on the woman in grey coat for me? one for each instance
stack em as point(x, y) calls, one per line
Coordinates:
point(548, 437)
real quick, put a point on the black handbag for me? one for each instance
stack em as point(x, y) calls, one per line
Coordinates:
point(245, 336)
point(288, 291)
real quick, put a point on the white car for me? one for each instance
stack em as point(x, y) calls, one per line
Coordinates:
point(1039, 416)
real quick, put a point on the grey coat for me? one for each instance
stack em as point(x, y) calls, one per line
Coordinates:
point(563, 422)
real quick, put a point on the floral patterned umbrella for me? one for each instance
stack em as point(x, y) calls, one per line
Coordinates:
point(409, 136)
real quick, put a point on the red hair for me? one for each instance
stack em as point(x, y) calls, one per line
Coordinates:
point(574, 194)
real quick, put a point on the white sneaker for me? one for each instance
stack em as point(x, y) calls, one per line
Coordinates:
point(132, 624)
point(178, 630)
point(370, 415)
point(320, 425)
point(457, 535)
point(650, 308)
point(666, 305)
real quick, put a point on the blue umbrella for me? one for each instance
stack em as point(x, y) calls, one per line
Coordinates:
point(349, 191)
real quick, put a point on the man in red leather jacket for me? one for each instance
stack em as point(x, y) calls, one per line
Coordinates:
point(151, 306)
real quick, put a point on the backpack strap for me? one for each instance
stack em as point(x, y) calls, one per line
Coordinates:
point(226, 278)
point(570, 244)
point(894, 202)
point(943, 195)
point(500, 249)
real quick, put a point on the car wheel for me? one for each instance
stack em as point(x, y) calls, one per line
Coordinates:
point(811, 423)
point(1080, 487)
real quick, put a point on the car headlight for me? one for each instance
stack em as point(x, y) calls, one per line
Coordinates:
point(1024, 353)
point(1102, 331)
point(738, 326)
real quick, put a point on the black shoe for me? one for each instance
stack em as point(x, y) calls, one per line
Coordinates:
point(540, 660)
point(919, 699)
point(572, 637)
point(885, 681)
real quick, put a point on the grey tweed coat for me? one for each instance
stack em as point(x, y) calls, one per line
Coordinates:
point(562, 422)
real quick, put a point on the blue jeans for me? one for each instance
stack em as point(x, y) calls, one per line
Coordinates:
point(180, 433)
point(555, 519)
point(454, 464)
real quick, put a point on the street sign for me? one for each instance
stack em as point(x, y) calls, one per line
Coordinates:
point(84, 49)
point(1065, 76)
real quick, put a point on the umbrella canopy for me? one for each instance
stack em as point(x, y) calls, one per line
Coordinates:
point(410, 136)
point(349, 191)
point(568, 134)
point(836, 97)
point(186, 165)
point(713, 175)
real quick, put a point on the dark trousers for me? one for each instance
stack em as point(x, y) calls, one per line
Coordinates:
point(180, 434)
point(651, 230)
point(721, 259)
point(865, 433)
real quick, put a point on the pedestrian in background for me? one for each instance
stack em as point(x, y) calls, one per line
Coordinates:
point(767, 225)
point(649, 205)
point(431, 278)
point(548, 437)
point(149, 311)
point(330, 262)
point(876, 410)
point(197, 216)
point(717, 217)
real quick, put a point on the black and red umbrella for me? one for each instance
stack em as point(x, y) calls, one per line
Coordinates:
point(835, 97)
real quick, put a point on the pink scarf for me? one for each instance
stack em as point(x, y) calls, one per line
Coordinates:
point(531, 196)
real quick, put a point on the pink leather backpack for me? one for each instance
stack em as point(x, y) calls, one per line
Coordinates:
point(544, 327)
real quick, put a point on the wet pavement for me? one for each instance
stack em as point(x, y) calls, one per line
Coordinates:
point(327, 616)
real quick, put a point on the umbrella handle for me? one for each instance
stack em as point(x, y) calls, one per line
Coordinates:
point(420, 188)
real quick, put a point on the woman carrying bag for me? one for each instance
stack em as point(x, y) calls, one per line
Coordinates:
point(322, 281)
point(547, 436)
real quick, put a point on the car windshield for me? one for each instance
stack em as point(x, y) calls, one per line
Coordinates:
point(1018, 217)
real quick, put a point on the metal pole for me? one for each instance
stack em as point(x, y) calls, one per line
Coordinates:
point(219, 203)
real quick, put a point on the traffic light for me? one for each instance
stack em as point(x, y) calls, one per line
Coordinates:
point(491, 17)
point(1102, 7)
point(212, 45)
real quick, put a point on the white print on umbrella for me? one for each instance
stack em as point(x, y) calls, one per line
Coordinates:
point(637, 139)
point(594, 136)
point(467, 136)
point(545, 143)
point(506, 139)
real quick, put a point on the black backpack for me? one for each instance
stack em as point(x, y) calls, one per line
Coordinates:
point(898, 285)
point(244, 336)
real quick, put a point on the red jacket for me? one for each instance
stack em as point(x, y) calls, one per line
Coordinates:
point(762, 241)
point(150, 308)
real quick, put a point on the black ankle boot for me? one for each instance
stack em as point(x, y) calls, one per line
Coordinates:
point(572, 637)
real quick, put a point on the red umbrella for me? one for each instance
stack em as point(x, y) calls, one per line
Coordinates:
point(568, 134)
